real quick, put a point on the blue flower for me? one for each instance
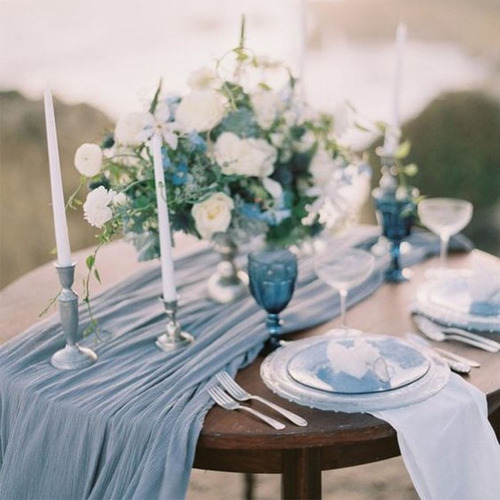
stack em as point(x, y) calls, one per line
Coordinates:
point(166, 160)
point(251, 210)
point(180, 175)
point(197, 141)
point(275, 216)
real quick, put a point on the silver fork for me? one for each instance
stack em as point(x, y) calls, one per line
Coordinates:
point(238, 393)
point(226, 402)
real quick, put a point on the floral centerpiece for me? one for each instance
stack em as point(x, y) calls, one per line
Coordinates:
point(243, 155)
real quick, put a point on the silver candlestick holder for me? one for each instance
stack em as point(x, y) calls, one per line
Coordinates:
point(72, 356)
point(174, 338)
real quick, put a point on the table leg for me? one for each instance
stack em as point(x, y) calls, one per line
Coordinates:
point(301, 476)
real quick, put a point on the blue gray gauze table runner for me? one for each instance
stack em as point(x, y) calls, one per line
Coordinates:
point(127, 426)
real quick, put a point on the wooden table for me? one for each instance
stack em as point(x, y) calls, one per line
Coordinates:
point(235, 442)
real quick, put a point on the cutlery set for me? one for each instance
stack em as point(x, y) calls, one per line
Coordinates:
point(438, 333)
point(230, 396)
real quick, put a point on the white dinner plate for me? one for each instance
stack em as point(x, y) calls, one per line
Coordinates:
point(275, 374)
point(448, 301)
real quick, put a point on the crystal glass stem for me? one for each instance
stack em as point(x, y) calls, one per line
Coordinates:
point(343, 300)
point(443, 251)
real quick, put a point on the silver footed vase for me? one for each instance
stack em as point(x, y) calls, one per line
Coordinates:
point(228, 283)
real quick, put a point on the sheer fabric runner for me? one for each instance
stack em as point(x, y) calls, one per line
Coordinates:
point(127, 427)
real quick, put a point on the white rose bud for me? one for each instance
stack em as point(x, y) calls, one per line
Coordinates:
point(266, 105)
point(213, 215)
point(250, 157)
point(88, 159)
point(201, 110)
point(202, 79)
point(96, 208)
point(134, 129)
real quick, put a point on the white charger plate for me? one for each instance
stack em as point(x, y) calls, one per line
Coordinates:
point(275, 374)
point(448, 301)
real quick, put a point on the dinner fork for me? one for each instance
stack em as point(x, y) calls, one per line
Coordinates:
point(240, 394)
point(226, 402)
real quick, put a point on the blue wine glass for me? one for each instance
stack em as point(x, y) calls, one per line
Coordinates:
point(272, 275)
point(397, 218)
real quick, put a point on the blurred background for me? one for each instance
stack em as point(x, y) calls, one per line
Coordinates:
point(104, 58)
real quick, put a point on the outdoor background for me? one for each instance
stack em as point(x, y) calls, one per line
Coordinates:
point(104, 58)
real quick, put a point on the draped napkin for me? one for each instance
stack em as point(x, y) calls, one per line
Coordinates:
point(448, 446)
point(485, 286)
point(127, 426)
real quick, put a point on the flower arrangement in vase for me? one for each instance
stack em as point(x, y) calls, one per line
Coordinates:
point(243, 156)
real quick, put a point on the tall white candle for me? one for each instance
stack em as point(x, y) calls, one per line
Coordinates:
point(401, 34)
point(58, 205)
point(393, 132)
point(167, 264)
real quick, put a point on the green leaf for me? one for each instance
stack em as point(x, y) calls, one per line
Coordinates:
point(97, 275)
point(154, 102)
point(403, 150)
point(90, 261)
point(410, 170)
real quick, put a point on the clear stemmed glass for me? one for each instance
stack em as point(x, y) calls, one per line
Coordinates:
point(272, 276)
point(445, 217)
point(344, 270)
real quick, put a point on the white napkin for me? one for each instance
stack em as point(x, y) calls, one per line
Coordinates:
point(485, 285)
point(448, 446)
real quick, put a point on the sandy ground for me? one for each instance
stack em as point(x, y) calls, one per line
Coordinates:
point(386, 480)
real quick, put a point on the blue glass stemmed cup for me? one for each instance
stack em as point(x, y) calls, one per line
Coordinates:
point(272, 276)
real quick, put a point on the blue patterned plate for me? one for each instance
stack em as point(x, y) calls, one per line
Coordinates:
point(358, 365)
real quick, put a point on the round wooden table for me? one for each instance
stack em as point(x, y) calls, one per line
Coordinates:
point(236, 442)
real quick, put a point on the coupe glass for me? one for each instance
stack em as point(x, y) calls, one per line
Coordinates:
point(272, 276)
point(343, 271)
point(444, 217)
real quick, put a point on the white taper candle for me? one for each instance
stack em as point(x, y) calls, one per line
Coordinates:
point(167, 264)
point(401, 34)
point(58, 205)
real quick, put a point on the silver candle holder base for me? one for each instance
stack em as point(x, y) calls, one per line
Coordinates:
point(174, 338)
point(72, 356)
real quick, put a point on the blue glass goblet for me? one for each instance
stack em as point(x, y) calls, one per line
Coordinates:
point(272, 275)
point(397, 218)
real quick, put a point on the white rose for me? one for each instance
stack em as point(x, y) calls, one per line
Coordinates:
point(306, 142)
point(96, 207)
point(88, 159)
point(266, 105)
point(322, 167)
point(250, 157)
point(119, 199)
point(134, 128)
point(202, 79)
point(213, 215)
point(274, 188)
point(201, 110)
